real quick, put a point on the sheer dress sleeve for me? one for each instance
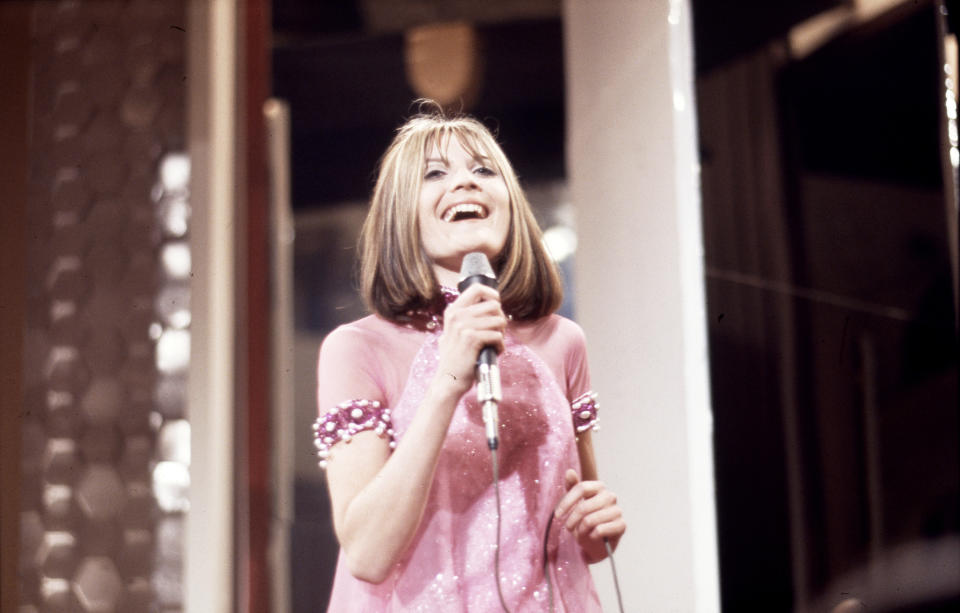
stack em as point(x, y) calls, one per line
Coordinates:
point(583, 401)
point(350, 394)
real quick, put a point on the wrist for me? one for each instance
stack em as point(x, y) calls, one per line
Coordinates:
point(447, 388)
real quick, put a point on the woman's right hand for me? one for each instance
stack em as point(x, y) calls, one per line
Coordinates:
point(471, 322)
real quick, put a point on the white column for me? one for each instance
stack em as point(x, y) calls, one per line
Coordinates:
point(632, 160)
point(208, 562)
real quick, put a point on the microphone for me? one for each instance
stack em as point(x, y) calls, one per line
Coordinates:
point(476, 269)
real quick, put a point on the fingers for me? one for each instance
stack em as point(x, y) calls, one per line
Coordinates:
point(473, 325)
point(478, 292)
point(458, 313)
point(604, 523)
point(603, 499)
point(473, 321)
point(589, 510)
point(578, 490)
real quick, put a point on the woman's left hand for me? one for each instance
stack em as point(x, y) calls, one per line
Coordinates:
point(589, 510)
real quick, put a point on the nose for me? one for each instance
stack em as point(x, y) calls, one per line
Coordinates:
point(464, 179)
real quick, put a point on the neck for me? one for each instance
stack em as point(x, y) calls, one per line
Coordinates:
point(447, 277)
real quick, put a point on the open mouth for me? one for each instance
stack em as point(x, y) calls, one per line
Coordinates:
point(468, 210)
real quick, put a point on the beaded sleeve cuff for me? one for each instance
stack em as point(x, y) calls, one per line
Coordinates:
point(584, 410)
point(344, 421)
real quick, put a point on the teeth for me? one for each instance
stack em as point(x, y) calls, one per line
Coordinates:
point(463, 208)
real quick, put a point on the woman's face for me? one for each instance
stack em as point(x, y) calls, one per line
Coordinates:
point(464, 207)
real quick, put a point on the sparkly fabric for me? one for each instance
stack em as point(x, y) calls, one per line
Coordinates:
point(344, 421)
point(449, 564)
point(584, 410)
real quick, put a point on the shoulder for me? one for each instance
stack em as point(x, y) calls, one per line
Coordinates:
point(555, 337)
point(567, 328)
point(362, 335)
point(558, 330)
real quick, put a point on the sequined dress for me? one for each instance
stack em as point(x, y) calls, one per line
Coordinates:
point(373, 374)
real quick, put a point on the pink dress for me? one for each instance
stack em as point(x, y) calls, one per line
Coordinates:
point(371, 365)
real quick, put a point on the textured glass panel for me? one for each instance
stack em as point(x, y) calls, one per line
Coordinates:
point(171, 485)
point(176, 260)
point(173, 351)
point(103, 95)
point(175, 173)
point(97, 585)
point(175, 441)
point(100, 492)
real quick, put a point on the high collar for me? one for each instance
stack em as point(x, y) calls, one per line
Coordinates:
point(431, 317)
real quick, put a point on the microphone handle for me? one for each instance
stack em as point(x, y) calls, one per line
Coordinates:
point(489, 393)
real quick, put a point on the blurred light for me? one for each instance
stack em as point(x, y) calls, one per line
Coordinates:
point(180, 319)
point(59, 538)
point(171, 483)
point(60, 354)
point(173, 305)
point(679, 101)
point(173, 351)
point(560, 241)
point(56, 494)
point(674, 17)
point(175, 172)
point(174, 444)
point(156, 331)
point(176, 259)
point(954, 157)
point(64, 263)
point(51, 587)
point(62, 308)
point(174, 214)
point(57, 399)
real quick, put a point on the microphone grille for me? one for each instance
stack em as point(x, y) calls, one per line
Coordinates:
point(476, 263)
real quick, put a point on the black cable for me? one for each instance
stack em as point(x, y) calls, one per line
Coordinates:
point(546, 561)
point(496, 551)
point(613, 566)
point(546, 567)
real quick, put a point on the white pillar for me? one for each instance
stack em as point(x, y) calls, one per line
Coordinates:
point(208, 560)
point(633, 170)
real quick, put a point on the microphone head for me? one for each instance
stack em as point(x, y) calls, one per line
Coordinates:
point(476, 268)
point(476, 263)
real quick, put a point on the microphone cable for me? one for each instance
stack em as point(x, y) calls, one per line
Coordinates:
point(496, 551)
point(546, 561)
point(613, 567)
point(546, 567)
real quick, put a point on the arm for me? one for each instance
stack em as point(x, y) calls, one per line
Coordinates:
point(378, 497)
point(588, 461)
point(589, 510)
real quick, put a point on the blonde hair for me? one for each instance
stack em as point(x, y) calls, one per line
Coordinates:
point(396, 275)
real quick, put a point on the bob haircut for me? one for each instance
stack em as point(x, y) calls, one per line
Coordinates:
point(396, 275)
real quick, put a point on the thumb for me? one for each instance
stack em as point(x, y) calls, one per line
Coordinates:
point(571, 478)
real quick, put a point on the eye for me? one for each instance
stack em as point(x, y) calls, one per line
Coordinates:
point(434, 173)
point(485, 171)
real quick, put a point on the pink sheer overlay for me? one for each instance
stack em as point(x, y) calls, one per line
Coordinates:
point(449, 565)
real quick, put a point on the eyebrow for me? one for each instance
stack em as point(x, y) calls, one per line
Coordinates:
point(484, 159)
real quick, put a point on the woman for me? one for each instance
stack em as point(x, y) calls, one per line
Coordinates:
point(400, 432)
